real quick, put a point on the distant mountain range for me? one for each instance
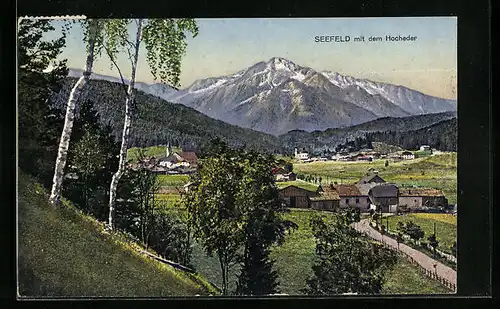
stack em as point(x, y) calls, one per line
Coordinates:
point(327, 139)
point(279, 96)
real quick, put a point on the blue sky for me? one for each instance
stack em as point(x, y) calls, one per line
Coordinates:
point(224, 46)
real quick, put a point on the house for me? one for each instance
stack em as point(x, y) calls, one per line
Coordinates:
point(296, 197)
point(350, 196)
point(301, 155)
point(190, 157)
point(418, 198)
point(326, 199)
point(172, 161)
point(385, 197)
point(372, 178)
point(425, 148)
point(280, 174)
point(407, 155)
point(364, 158)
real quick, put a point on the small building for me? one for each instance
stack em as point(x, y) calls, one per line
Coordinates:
point(350, 196)
point(417, 198)
point(385, 197)
point(296, 197)
point(326, 199)
point(303, 155)
point(425, 148)
point(173, 160)
point(407, 155)
point(372, 178)
point(280, 174)
point(190, 157)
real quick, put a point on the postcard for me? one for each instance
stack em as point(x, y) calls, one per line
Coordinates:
point(237, 157)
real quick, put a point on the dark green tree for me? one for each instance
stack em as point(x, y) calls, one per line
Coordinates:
point(346, 263)
point(263, 225)
point(38, 121)
point(433, 242)
point(454, 249)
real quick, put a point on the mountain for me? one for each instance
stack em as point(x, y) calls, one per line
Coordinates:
point(158, 89)
point(278, 96)
point(157, 121)
point(412, 101)
point(318, 141)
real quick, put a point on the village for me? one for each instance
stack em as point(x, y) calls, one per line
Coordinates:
point(369, 193)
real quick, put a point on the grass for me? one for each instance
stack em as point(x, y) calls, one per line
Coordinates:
point(173, 180)
point(63, 252)
point(298, 183)
point(296, 256)
point(405, 278)
point(438, 171)
point(156, 151)
point(446, 227)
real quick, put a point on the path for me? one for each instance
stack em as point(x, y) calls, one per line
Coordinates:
point(425, 261)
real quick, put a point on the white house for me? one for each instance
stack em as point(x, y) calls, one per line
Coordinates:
point(425, 148)
point(304, 155)
point(407, 155)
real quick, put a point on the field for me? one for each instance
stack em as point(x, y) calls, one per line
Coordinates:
point(156, 151)
point(173, 180)
point(65, 253)
point(446, 227)
point(405, 278)
point(296, 256)
point(438, 171)
point(298, 183)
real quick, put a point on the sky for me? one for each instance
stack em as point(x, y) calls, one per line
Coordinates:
point(225, 46)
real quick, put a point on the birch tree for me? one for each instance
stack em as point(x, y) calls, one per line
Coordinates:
point(165, 42)
point(92, 34)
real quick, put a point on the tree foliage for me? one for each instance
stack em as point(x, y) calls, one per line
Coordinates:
point(38, 122)
point(235, 210)
point(345, 262)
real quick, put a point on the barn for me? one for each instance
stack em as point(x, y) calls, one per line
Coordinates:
point(385, 197)
point(372, 179)
point(416, 198)
point(326, 199)
point(296, 197)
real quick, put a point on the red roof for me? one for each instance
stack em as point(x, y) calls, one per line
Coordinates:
point(278, 170)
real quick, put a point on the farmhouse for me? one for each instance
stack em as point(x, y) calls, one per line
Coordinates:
point(407, 155)
point(296, 197)
point(384, 197)
point(350, 196)
point(371, 179)
point(417, 198)
point(326, 199)
point(425, 148)
point(281, 174)
point(189, 157)
point(172, 161)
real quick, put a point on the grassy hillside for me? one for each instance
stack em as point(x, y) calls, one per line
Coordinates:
point(65, 253)
point(446, 227)
point(156, 151)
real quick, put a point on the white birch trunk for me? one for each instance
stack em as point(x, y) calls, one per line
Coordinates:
point(74, 96)
point(126, 131)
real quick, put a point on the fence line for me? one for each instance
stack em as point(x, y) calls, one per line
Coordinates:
point(428, 273)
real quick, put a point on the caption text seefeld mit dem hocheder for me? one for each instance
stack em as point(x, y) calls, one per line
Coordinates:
point(362, 38)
